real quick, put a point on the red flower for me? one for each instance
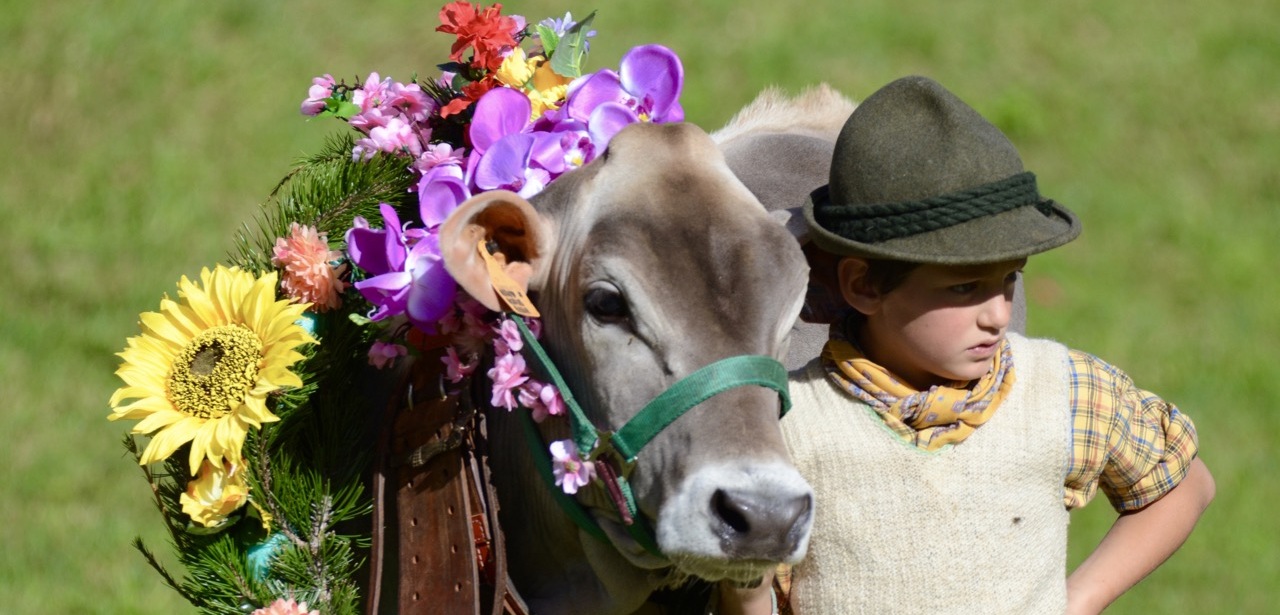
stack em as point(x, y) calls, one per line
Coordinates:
point(470, 93)
point(487, 32)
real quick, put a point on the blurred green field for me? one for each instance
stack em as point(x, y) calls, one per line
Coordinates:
point(139, 135)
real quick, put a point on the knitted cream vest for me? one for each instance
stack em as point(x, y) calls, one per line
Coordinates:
point(978, 527)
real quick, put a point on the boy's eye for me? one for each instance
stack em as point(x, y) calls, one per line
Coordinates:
point(963, 289)
point(1011, 278)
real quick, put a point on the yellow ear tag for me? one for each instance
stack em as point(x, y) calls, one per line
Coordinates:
point(511, 293)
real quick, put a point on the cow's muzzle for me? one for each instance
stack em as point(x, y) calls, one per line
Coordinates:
point(755, 525)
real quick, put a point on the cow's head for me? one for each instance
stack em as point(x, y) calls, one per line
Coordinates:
point(648, 264)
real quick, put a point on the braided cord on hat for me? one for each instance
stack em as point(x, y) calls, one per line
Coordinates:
point(881, 222)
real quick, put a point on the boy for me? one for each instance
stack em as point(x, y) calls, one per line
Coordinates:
point(945, 451)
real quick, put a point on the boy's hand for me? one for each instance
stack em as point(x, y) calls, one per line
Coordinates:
point(1138, 543)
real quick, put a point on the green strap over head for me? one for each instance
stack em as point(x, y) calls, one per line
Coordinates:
point(696, 388)
point(584, 432)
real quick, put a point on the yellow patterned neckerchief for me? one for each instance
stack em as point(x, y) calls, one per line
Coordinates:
point(928, 419)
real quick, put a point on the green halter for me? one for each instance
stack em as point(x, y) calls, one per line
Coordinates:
point(624, 445)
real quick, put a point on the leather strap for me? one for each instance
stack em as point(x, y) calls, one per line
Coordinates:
point(439, 567)
point(446, 540)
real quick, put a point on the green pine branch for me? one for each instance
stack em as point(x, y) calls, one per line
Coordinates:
point(326, 190)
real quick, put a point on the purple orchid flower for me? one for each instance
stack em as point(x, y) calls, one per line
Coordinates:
point(646, 89)
point(407, 275)
point(499, 113)
point(506, 155)
point(440, 191)
point(521, 163)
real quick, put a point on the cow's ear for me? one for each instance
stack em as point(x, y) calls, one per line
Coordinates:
point(514, 232)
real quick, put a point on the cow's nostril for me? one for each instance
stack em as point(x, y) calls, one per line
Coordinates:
point(731, 511)
point(759, 525)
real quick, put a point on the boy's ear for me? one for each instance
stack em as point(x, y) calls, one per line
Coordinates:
point(855, 287)
point(519, 238)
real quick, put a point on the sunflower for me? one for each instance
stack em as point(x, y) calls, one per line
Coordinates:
point(204, 365)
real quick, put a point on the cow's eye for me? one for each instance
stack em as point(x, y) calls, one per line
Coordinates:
point(605, 304)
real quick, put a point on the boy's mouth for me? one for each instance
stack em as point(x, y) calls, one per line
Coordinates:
point(985, 349)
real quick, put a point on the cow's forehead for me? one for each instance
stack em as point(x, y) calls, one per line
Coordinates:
point(672, 170)
point(664, 217)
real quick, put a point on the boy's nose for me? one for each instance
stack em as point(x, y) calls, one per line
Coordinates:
point(996, 313)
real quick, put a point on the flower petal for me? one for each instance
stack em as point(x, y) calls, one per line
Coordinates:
point(606, 121)
point(653, 71)
point(163, 443)
point(440, 192)
point(499, 113)
point(433, 291)
point(603, 86)
point(502, 167)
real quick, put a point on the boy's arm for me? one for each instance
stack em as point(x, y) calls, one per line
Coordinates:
point(1139, 542)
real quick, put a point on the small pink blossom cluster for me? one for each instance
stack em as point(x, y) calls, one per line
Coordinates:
point(393, 116)
point(512, 385)
point(571, 471)
point(472, 327)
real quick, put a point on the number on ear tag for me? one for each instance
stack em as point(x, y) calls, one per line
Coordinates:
point(511, 293)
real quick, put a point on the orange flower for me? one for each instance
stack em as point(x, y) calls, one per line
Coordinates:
point(487, 31)
point(304, 256)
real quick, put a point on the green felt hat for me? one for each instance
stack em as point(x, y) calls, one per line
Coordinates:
point(919, 176)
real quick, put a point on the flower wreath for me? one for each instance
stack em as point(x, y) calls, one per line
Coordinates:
point(244, 382)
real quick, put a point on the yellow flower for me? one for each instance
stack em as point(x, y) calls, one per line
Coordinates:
point(204, 365)
point(516, 69)
point(217, 492)
point(548, 89)
point(544, 87)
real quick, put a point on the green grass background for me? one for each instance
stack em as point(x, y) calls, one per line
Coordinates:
point(138, 135)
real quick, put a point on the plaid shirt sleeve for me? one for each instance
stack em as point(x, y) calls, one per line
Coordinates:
point(1134, 445)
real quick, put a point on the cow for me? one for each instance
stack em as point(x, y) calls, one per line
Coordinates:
point(781, 147)
point(648, 263)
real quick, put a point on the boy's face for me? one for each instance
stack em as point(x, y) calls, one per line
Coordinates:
point(942, 323)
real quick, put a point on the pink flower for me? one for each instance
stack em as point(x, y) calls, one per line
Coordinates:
point(541, 399)
point(438, 154)
point(394, 137)
point(508, 339)
point(384, 354)
point(535, 327)
point(508, 374)
point(321, 89)
point(373, 93)
point(304, 257)
point(455, 368)
point(467, 325)
point(572, 473)
point(411, 101)
point(368, 120)
point(285, 607)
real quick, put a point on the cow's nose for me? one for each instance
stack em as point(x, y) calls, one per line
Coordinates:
point(754, 525)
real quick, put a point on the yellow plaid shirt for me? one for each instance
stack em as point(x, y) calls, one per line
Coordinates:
point(1134, 445)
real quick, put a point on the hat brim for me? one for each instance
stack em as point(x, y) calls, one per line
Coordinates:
point(1006, 236)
